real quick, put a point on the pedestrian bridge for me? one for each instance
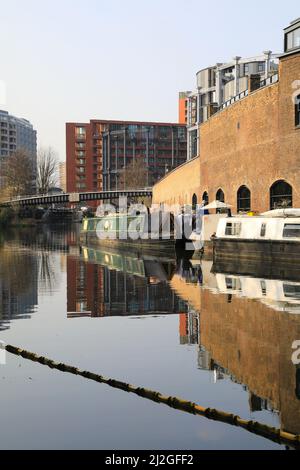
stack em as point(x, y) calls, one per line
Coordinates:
point(75, 198)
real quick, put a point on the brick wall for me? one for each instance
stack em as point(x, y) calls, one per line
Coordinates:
point(179, 185)
point(254, 142)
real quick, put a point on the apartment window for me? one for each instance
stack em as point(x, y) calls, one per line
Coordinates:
point(261, 67)
point(293, 40)
point(297, 111)
point(246, 68)
point(80, 185)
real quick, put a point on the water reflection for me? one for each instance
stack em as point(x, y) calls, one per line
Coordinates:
point(247, 326)
point(108, 283)
point(18, 285)
point(243, 320)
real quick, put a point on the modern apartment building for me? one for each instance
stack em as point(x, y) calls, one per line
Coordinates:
point(183, 107)
point(98, 151)
point(63, 176)
point(16, 134)
point(217, 86)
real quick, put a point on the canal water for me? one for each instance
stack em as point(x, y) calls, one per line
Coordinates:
point(180, 327)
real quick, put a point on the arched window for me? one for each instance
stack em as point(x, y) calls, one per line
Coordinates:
point(281, 195)
point(205, 198)
point(194, 201)
point(243, 199)
point(297, 111)
point(220, 196)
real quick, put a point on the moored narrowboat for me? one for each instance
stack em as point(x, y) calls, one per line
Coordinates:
point(129, 232)
point(272, 236)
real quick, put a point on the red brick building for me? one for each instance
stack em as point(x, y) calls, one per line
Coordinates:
point(98, 151)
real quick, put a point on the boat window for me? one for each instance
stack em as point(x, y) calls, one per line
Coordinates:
point(291, 291)
point(233, 228)
point(233, 283)
point(263, 287)
point(291, 231)
point(263, 230)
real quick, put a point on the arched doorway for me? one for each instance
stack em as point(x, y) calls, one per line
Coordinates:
point(281, 195)
point(194, 202)
point(243, 199)
point(220, 196)
point(205, 198)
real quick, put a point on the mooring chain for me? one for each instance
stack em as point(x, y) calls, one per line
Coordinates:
point(254, 427)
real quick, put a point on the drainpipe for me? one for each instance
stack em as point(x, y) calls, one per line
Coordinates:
point(237, 75)
point(219, 93)
point(268, 56)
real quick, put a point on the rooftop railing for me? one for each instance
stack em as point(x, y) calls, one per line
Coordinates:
point(270, 80)
point(236, 98)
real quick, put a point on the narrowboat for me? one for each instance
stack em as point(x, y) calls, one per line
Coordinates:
point(273, 236)
point(129, 232)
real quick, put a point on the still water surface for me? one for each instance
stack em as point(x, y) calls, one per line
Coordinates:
point(174, 326)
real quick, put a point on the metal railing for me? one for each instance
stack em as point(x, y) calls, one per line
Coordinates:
point(270, 80)
point(236, 98)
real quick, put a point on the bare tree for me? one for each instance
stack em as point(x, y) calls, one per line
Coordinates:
point(19, 174)
point(47, 170)
point(135, 175)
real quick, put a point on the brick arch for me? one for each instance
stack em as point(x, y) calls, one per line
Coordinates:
point(205, 197)
point(243, 198)
point(281, 194)
point(220, 195)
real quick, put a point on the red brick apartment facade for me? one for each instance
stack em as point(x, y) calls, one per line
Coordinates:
point(98, 151)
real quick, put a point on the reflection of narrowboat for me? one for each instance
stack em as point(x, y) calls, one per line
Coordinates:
point(129, 232)
point(132, 263)
point(273, 236)
point(277, 294)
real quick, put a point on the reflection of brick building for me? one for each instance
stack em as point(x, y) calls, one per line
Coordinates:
point(254, 343)
point(189, 328)
point(94, 290)
point(249, 341)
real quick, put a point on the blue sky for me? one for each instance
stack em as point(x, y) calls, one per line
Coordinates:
point(72, 60)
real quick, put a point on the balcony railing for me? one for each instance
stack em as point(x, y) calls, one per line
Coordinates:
point(270, 80)
point(238, 97)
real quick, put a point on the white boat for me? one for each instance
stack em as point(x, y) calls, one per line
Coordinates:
point(271, 236)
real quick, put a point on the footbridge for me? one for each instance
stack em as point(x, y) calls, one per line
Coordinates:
point(76, 198)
